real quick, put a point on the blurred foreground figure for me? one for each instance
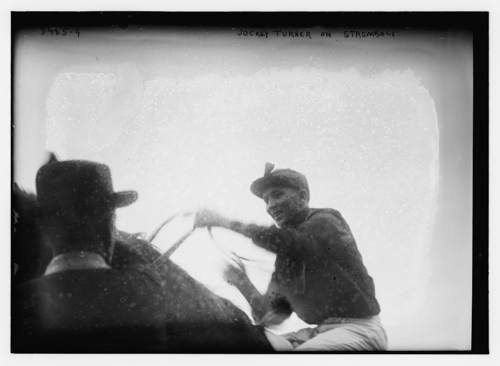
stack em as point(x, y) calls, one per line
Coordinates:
point(81, 304)
point(319, 270)
point(103, 291)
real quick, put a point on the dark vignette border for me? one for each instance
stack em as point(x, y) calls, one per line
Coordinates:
point(477, 23)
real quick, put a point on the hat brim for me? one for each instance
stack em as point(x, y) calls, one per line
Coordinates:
point(260, 185)
point(125, 198)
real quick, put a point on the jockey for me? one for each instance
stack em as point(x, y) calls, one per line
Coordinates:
point(319, 269)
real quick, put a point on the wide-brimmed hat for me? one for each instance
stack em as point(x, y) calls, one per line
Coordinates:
point(78, 184)
point(278, 178)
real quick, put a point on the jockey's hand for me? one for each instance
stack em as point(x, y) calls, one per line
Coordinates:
point(207, 218)
point(235, 276)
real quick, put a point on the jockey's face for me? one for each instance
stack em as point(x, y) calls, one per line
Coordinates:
point(283, 203)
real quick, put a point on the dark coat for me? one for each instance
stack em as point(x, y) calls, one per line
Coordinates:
point(89, 311)
point(319, 268)
point(128, 309)
point(110, 311)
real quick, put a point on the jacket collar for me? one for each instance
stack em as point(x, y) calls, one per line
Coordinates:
point(298, 219)
point(75, 261)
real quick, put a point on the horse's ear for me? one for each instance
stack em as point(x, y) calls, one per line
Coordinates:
point(52, 158)
point(16, 189)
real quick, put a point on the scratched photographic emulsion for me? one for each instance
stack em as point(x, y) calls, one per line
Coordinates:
point(377, 118)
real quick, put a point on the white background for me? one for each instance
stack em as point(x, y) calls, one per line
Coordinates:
point(357, 228)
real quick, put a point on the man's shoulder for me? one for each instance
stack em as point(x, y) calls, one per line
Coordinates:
point(78, 277)
point(54, 280)
point(331, 221)
point(323, 213)
point(326, 217)
point(85, 286)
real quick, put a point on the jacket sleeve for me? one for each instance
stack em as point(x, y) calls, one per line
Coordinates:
point(321, 232)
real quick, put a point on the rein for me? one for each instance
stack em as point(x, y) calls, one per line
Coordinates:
point(233, 257)
point(165, 256)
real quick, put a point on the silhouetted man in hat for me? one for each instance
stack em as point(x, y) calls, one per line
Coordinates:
point(81, 304)
point(318, 269)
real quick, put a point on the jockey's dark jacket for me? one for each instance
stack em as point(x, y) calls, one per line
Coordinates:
point(318, 266)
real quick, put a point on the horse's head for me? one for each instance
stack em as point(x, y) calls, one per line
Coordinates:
point(30, 256)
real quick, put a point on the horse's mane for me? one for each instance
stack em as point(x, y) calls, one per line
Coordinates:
point(200, 320)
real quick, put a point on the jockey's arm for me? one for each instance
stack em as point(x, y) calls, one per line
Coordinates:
point(266, 309)
point(238, 278)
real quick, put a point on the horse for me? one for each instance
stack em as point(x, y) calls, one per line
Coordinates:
point(29, 254)
point(201, 320)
